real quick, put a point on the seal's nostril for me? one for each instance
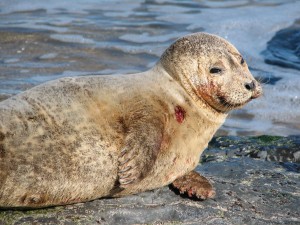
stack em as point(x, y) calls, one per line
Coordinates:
point(247, 86)
point(250, 86)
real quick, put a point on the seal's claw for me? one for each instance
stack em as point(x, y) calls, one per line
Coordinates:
point(194, 186)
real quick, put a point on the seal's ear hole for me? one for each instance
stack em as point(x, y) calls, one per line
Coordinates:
point(215, 70)
point(242, 61)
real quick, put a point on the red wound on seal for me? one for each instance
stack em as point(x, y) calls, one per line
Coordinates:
point(180, 114)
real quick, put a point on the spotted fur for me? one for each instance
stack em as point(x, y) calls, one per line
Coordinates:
point(81, 138)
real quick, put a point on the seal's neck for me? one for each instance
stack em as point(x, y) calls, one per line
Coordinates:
point(183, 81)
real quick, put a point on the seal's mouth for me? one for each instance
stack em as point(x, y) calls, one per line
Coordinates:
point(222, 103)
point(230, 105)
point(256, 94)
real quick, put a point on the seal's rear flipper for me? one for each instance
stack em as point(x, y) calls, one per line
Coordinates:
point(194, 186)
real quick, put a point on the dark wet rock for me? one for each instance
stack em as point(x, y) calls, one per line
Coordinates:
point(284, 48)
point(250, 190)
point(270, 148)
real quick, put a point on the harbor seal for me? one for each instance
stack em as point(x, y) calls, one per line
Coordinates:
point(77, 139)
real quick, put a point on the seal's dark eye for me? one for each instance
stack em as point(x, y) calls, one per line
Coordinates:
point(215, 70)
point(242, 61)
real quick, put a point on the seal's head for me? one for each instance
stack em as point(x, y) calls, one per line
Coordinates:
point(211, 69)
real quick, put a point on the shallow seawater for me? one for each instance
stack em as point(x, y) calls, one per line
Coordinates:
point(42, 41)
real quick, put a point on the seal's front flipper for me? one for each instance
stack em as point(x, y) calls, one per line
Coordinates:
point(194, 186)
point(144, 135)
